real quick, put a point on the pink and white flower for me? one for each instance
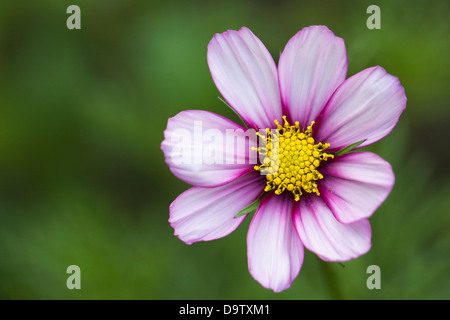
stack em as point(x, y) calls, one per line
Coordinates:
point(323, 204)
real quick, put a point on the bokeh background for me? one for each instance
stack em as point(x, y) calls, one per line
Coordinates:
point(83, 180)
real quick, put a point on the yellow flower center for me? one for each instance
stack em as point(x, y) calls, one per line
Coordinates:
point(291, 159)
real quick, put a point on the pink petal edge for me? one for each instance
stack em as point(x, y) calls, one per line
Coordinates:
point(246, 75)
point(366, 106)
point(189, 160)
point(204, 214)
point(330, 239)
point(312, 65)
point(275, 252)
point(355, 185)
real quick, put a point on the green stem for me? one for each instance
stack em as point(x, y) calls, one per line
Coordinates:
point(331, 280)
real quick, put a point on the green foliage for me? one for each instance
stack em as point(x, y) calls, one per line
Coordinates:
point(251, 208)
point(348, 148)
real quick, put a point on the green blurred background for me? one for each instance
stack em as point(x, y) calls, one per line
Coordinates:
point(83, 180)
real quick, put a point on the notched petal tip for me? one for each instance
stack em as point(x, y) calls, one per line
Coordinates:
point(366, 106)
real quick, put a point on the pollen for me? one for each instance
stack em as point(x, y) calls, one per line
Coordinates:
point(291, 159)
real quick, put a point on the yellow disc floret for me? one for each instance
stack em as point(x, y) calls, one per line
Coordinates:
point(290, 159)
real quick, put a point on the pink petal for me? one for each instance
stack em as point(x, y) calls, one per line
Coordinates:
point(274, 250)
point(330, 239)
point(312, 65)
point(246, 76)
point(203, 214)
point(199, 151)
point(366, 106)
point(355, 185)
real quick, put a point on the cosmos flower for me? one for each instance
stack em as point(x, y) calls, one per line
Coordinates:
point(311, 195)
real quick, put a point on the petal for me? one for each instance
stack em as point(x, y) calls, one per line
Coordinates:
point(246, 76)
point(203, 214)
point(312, 65)
point(207, 150)
point(355, 185)
point(321, 233)
point(366, 106)
point(275, 252)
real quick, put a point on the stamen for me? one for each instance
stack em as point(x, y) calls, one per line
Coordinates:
point(292, 159)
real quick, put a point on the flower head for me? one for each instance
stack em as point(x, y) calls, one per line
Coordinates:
point(304, 111)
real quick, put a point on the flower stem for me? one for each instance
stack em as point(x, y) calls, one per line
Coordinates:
point(331, 280)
